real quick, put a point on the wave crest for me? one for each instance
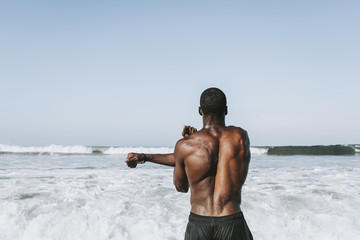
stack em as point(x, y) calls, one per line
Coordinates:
point(77, 149)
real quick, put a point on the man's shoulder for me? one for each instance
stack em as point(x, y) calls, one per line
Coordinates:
point(185, 143)
point(192, 143)
point(238, 130)
point(185, 147)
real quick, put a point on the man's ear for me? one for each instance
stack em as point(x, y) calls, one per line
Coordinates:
point(226, 110)
point(200, 111)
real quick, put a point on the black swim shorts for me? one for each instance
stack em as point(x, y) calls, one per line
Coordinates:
point(232, 227)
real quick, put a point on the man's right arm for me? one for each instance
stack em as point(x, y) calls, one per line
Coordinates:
point(138, 158)
point(180, 178)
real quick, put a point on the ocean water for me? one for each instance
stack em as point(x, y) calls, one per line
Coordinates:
point(77, 192)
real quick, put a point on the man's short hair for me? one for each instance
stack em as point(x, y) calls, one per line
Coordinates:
point(213, 100)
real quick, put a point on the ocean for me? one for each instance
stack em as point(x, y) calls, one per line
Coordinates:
point(78, 192)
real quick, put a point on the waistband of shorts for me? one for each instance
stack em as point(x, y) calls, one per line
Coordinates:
point(199, 218)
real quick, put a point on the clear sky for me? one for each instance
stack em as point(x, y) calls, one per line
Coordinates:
point(130, 73)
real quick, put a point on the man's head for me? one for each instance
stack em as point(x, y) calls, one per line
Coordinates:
point(213, 101)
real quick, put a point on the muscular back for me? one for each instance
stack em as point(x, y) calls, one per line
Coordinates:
point(215, 163)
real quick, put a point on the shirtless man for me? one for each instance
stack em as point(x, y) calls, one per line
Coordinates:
point(214, 163)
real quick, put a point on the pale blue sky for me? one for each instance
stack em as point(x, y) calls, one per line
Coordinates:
point(130, 73)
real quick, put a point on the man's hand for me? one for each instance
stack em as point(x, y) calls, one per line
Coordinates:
point(188, 130)
point(133, 159)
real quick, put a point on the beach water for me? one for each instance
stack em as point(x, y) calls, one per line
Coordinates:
point(77, 192)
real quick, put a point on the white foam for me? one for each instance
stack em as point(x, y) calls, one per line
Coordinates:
point(294, 201)
point(99, 198)
point(95, 205)
point(46, 149)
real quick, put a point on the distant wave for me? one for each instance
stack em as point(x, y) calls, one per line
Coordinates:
point(78, 149)
point(357, 148)
point(46, 149)
point(258, 150)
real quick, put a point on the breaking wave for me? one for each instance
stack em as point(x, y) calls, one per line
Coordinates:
point(77, 149)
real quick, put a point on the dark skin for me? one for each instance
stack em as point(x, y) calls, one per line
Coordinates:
point(212, 162)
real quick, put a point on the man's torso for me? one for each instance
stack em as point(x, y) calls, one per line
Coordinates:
point(216, 166)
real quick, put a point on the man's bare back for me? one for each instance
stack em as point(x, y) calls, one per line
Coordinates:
point(216, 163)
point(213, 163)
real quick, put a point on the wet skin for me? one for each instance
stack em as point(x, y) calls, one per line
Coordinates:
point(212, 162)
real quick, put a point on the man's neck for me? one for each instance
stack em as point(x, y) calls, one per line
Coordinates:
point(211, 121)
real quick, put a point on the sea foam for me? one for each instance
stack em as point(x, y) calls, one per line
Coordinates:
point(97, 197)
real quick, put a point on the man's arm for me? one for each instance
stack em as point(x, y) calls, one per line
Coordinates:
point(180, 178)
point(246, 157)
point(133, 159)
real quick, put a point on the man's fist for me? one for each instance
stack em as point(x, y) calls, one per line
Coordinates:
point(133, 159)
point(188, 130)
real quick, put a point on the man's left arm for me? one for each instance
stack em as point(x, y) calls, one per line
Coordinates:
point(180, 178)
point(133, 159)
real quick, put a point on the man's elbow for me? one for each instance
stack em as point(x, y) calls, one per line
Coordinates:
point(184, 188)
